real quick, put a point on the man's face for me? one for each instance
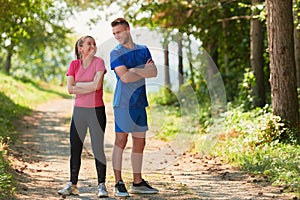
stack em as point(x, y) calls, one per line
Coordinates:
point(121, 33)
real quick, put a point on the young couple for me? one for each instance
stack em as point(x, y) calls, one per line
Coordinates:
point(131, 63)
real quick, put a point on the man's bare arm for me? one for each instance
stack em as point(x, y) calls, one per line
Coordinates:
point(149, 71)
point(126, 75)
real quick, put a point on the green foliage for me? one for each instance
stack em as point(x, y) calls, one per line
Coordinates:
point(277, 162)
point(173, 113)
point(276, 130)
point(164, 114)
point(222, 26)
point(165, 97)
point(245, 97)
point(6, 179)
point(169, 128)
point(253, 141)
point(30, 33)
point(10, 112)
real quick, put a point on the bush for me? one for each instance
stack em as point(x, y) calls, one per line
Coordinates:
point(6, 179)
point(257, 142)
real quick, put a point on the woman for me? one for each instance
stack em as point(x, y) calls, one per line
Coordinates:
point(85, 80)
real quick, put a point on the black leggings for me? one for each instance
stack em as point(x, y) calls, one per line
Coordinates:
point(95, 120)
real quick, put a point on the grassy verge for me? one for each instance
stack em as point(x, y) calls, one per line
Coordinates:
point(248, 140)
point(18, 98)
point(251, 141)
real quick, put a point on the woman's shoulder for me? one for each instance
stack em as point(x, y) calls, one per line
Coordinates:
point(76, 62)
point(98, 58)
point(98, 61)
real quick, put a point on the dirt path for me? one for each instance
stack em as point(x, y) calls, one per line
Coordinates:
point(41, 162)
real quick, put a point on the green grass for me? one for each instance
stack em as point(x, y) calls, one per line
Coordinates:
point(248, 140)
point(251, 141)
point(18, 98)
point(168, 120)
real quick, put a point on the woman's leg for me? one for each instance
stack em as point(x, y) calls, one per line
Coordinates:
point(78, 131)
point(97, 125)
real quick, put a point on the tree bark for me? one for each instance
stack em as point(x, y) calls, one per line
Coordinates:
point(297, 43)
point(180, 62)
point(8, 62)
point(297, 54)
point(282, 63)
point(190, 59)
point(166, 63)
point(256, 57)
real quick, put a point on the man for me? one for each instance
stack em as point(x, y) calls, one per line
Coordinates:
point(132, 63)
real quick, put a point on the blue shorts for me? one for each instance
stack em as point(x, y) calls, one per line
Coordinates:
point(130, 120)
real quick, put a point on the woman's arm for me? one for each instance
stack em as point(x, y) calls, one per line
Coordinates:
point(85, 87)
point(94, 85)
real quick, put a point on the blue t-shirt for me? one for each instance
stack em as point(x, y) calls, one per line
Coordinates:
point(133, 94)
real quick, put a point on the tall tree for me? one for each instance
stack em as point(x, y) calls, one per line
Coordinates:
point(166, 59)
point(282, 63)
point(180, 60)
point(30, 26)
point(256, 54)
point(228, 44)
point(190, 59)
point(297, 38)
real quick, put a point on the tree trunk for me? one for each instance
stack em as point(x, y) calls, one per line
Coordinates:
point(256, 57)
point(225, 45)
point(166, 63)
point(190, 59)
point(8, 62)
point(297, 54)
point(282, 63)
point(297, 43)
point(180, 62)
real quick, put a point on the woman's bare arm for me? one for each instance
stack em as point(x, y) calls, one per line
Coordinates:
point(85, 87)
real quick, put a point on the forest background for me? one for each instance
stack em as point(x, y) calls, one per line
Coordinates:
point(237, 71)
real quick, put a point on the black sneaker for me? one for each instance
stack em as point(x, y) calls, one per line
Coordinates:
point(142, 188)
point(120, 189)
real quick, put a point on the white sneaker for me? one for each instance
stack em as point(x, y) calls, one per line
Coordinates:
point(102, 191)
point(69, 190)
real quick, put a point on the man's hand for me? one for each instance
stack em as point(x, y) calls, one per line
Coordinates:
point(149, 70)
point(149, 63)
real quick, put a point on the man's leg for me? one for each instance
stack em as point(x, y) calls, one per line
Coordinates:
point(120, 144)
point(138, 145)
point(139, 185)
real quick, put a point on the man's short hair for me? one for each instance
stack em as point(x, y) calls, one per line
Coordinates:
point(119, 21)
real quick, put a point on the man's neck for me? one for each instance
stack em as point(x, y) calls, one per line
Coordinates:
point(129, 44)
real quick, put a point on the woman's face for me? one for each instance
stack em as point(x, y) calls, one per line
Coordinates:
point(121, 33)
point(88, 47)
